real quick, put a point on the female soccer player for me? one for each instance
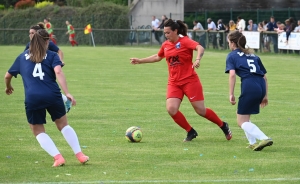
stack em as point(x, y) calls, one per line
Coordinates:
point(71, 33)
point(51, 47)
point(254, 88)
point(40, 68)
point(49, 28)
point(183, 80)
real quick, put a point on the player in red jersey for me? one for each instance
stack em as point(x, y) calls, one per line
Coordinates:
point(183, 80)
point(71, 33)
point(49, 29)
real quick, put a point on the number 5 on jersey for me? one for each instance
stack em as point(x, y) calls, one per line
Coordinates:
point(38, 72)
point(251, 65)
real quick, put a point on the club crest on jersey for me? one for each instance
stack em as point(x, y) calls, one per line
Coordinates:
point(177, 46)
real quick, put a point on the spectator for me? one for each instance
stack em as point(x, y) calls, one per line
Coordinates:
point(251, 26)
point(274, 37)
point(164, 18)
point(220, 27)
point(232, 25)
point(288, 29)
point(266, 37)
point(280, 28)
point(201, 35)
point(241, 25)
point(297, 29)
point(155, 24)
point(211, 26)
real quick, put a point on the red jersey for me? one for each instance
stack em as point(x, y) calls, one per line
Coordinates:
point(179, 57)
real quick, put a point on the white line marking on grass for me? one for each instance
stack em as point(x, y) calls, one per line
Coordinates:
point(171, 181)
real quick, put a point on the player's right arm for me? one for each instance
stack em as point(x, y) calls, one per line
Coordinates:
point(150, 59)
point(232, 79)
point(9, 89)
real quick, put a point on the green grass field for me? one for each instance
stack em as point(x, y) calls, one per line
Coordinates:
point(113, 95)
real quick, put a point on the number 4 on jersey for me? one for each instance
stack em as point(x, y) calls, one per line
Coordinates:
point(38, 72)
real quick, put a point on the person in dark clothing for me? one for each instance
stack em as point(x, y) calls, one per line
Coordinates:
point(164, 18)
point(270, 27)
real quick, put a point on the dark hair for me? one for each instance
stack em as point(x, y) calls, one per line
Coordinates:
point(240, 40)
point(272, 17)
point(39, 26)
point(38, 46)
point(177, 24)
point(239, 17)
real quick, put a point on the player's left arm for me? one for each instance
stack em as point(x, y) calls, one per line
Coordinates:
point(60, 76)
point(61, 56)
point(7, 78)
point(200, 53)
point(265, 100)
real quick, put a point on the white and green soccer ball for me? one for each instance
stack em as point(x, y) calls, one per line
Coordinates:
point(134, 134)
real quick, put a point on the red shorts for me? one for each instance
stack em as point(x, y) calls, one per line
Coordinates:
point(72, 35)
point(193, 90)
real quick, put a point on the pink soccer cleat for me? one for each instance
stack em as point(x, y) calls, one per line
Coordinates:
point(58, 161)
point(82, 158)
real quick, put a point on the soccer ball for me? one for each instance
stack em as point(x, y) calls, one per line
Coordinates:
point(134, 134)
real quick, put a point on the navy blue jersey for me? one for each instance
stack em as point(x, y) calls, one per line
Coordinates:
point(51, 46)
point(39, 79)
point(245, 65)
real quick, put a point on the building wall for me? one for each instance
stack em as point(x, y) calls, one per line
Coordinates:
point(143, 10)
point(200, 5)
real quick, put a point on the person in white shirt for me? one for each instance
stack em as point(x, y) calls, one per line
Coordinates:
point(201, 35)
point(297, 29)
point(155, 24)
point(241, 24)
point(211, 26)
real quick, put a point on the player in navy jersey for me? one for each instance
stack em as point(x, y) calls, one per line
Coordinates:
point(40, 68)
point(254, 88)
point(54, 48)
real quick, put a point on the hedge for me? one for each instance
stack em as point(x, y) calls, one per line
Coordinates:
point(100, 16)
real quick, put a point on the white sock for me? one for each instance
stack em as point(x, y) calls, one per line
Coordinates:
point(64, 98)
point(72, 139)
point(47, 144)
point(250, 138)
point(253, 130)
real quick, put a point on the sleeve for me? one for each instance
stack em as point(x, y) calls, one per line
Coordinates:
point(27, 46)
point(53, 47)
point(229, 64)
point(261, 66)
point(161, 52)
point(15, 68)
point(56, 61)
point(191, 44)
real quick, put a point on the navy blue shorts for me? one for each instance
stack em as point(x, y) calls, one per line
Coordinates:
point(38, 116)
point(253, 90)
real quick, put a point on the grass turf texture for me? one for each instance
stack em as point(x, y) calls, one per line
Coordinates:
point(113, 95)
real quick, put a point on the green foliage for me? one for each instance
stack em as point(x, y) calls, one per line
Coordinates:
point(43, 4)
point(85, 3)
point(2, 7)
point(99, 15)
point(113, 95)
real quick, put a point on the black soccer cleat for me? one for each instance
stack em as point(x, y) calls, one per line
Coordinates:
point(190, 135)
point(225, 128)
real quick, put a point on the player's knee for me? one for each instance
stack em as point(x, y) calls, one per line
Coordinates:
point(201, 111)
point(172, 110)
